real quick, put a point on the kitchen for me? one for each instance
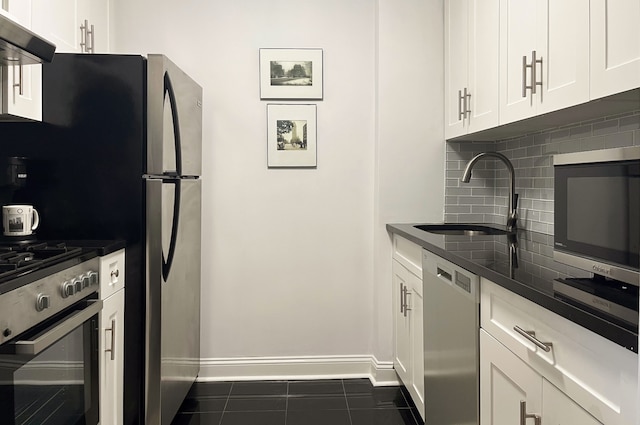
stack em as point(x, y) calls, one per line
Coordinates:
point(384, 164)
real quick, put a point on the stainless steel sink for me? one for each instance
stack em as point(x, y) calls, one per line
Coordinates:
point(461, 229)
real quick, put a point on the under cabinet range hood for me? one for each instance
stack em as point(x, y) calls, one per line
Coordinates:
point(19, 46)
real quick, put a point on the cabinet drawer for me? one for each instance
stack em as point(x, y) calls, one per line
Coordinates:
point(408, 254)
point(598, 374)
point(111, 273)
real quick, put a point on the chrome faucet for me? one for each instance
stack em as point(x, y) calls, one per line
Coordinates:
point(512, 215)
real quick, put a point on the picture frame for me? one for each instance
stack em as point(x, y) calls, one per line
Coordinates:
point(291, 136)
point(290, 74)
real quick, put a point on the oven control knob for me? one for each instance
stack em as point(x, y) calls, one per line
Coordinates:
point(93, 278)
point(86, 282)
point(78, 284)
point(42, 302)
point(7, 333)
point(68, 289)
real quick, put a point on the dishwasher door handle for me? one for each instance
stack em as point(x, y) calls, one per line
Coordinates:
point(444, 274)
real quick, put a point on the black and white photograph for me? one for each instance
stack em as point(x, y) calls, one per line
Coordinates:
point(292, 134)
point(291, 74)
point(291, 139)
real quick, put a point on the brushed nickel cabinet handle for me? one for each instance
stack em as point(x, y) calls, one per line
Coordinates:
point(531, 337)
point(534, 73)
point(537, 420)
point(467, 104)
point(406, 306)
point(19, 84)
point(524, 76)
point(91, 40)
point(83, 36)
point(112, 350)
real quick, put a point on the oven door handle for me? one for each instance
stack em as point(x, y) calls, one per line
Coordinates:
point(54, 334)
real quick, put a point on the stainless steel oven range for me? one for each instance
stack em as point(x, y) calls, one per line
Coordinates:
point(49, 310)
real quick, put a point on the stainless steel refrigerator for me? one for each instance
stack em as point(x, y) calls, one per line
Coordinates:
point(119, 156)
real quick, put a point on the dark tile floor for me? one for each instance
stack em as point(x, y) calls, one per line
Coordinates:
point(326, 402)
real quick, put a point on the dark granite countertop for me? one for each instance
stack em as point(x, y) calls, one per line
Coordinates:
point(528, 272)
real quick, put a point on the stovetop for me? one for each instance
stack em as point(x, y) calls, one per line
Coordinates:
point(20, 259)
point(22, 262)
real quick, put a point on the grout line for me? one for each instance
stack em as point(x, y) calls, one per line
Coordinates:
point(346, 400)
point(224, 409)
point(286, 407)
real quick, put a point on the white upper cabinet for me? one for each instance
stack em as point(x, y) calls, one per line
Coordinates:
point(456, 64)
point(483, 63)
point(615, 46)
point(565, 74)
point(97, 15)
point(23, 83)
point(57, 21)
point(471, 66)
point(544, 56)
point(74, 26)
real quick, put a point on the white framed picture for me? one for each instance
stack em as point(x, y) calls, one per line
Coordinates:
point(291, 74)
point(291, 135)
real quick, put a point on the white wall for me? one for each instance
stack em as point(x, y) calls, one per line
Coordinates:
point(410, 134)
point(289, 256)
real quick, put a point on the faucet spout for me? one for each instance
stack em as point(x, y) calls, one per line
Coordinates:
point(512, 214)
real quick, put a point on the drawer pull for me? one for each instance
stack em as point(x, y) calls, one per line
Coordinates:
point(531, 336)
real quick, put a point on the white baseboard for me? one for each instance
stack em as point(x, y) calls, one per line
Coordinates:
point(298, 368)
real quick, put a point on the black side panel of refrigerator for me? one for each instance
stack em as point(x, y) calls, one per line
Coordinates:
point(85, 175)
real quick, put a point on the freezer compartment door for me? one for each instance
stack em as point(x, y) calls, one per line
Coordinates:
point(173, 294)
point(174, 121)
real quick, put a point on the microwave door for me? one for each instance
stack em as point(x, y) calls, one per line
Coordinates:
point(174, 120)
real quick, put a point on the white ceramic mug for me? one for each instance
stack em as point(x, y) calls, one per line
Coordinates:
point(19, 220)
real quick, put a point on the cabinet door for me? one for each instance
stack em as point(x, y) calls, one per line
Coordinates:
point(417, 347)
point(557, 408)
point(615, 46)
point(518, 33)
point(484, 24)
point(402, 356)
point(112, 359)
point(97, 14)
point(563, 46)
point(58, 22)
point(505, 381)
point(456, 30)
point(23, 83)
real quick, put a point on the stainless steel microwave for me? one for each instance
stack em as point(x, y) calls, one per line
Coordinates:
point(597, 212)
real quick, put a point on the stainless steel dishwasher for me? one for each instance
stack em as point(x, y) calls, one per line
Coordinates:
point(451, 342)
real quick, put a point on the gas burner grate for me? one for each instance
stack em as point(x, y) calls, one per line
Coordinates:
point(19, 259)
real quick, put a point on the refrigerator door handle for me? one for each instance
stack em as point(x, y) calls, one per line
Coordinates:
point(168, 91)
point(166, 263)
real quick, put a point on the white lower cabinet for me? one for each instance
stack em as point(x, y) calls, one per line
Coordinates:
point(565, 373)
point(514, 393)
point(111, 343)
point(111, 359)
point(407, 311)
